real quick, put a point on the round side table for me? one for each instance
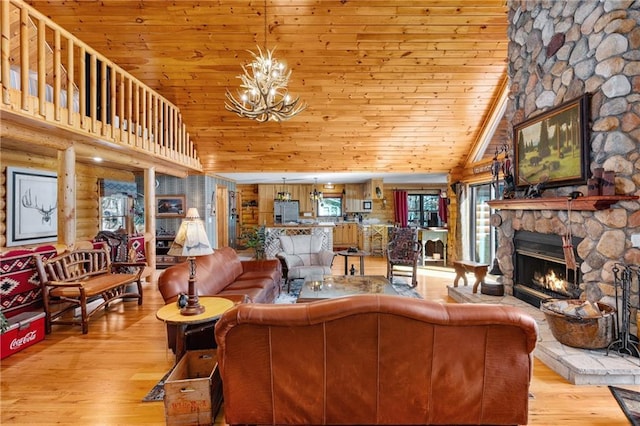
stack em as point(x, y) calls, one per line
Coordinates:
point(346, 253)
point(170, 314)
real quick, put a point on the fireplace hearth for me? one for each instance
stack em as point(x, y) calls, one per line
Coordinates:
point(541, 271)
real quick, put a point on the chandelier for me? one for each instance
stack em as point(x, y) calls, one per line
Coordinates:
point(283, 195)
point(263, 93)
point(315, 195)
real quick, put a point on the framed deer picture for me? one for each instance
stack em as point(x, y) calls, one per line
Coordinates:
point(32, 206)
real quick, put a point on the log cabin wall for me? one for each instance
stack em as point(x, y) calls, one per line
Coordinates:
point(87, 189)
point(248, 208)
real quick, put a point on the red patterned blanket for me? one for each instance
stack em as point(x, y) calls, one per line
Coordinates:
point(19, 283)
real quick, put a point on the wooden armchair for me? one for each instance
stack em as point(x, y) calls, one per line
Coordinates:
point(403, 254)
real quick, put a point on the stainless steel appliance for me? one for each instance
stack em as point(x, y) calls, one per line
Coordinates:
point(286, 211)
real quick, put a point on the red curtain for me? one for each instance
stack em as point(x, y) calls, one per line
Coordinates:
point(443, 208)
point(401, 208)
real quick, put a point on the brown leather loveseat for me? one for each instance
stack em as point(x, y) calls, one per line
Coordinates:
point(375, 359)
point(220, 274)
point(224, 274)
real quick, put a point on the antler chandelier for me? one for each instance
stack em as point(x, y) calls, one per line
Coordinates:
point(263, 93)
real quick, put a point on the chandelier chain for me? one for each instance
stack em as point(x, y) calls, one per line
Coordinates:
point(265, 25)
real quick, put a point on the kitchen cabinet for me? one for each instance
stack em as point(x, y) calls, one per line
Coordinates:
point(352, 198)
point(369, 189)
point(345, 235)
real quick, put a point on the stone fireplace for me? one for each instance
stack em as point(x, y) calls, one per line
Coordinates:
point(557, 52)
point(599, 241)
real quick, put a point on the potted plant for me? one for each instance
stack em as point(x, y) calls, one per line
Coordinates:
point(254, 237)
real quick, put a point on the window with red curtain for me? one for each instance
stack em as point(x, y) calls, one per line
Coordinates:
point(401, 209)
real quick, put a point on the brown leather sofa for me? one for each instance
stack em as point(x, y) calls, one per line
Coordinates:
point(220, 274)
point(375, 359)
point(224, 274)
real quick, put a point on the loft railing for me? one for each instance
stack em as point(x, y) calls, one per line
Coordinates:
point(48, 74)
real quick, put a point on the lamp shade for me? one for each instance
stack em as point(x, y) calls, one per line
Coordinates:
point(191, 239)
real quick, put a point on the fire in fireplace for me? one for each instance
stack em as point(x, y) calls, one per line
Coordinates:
point(540, 268)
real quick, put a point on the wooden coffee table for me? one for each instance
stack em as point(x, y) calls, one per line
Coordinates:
point(330, 286)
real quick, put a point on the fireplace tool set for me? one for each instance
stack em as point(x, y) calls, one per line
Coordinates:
point(626, 343)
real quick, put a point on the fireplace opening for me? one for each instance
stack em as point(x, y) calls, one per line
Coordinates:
point(541, 270)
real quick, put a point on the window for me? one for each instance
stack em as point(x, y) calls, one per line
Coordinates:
point(483, 236)
point(330, 206)
point(423, 210)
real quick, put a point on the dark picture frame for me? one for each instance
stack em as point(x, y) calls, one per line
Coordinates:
point(553, 148)
point(170, 206)
point(32, 206)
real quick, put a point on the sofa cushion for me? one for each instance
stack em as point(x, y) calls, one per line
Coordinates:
point(221, 269)
point(253, 275)
point(255, 294)
point(254, 283)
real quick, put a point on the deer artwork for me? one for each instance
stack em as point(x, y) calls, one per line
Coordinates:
point(46, 213)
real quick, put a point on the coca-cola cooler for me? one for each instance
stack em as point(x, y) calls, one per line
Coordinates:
point(25, 329)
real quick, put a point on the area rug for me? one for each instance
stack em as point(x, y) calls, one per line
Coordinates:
point(157, 392)
point(399, 285)
point(629, 402)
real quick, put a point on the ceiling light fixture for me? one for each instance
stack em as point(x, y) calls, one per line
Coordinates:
point(283, 195)
point(315, 195)
point(263, 93)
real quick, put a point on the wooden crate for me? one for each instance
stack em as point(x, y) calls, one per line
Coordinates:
point(193, 390)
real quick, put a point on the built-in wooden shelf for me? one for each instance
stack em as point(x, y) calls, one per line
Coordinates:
point(601, 202)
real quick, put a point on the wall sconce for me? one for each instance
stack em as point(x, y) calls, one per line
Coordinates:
point(378, 192)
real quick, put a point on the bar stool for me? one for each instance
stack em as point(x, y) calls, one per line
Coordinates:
point(378, 240)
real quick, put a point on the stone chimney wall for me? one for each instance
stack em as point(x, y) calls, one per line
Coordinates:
point(558, 51)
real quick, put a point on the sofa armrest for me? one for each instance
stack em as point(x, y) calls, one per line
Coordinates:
point(326, 257)
point(291, 260)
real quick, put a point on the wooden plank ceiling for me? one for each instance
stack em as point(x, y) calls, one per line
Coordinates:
point(391, 86)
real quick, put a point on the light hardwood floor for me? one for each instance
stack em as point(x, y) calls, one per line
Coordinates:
point(100, 378)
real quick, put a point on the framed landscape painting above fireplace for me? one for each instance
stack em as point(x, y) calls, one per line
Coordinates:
point(553, 148)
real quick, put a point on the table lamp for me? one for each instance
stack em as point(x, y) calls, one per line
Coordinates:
point(191, 241)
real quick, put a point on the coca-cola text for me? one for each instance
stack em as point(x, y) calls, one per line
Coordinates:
point(17, 342)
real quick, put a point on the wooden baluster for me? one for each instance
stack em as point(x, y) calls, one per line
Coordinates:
point(71, 90)
point(5, 51)
point(57, 78)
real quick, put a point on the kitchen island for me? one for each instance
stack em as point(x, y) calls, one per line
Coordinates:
point(272, 243)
